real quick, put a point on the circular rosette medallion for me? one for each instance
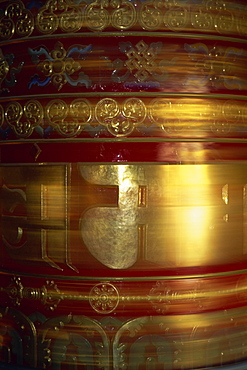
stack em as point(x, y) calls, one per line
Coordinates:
point(104, 298)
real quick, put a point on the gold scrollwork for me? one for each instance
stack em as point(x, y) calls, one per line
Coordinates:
point(225, 117)
point(177, 18)
point(13, 115)
point(219, 5)
point(224, 22)
point(96, 17)
point(24, 120)
point(150, 15)
point(68, 120)
point(241, 22)
point(71, 20)
point(124, 16)
point(155, 13)
point(162, 296)
point(16, 19)
point(106, 109)
point(202, 20)
point(163, 113)
point(217, 66)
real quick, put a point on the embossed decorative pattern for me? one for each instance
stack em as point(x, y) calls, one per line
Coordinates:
point(123, 184)
point(24, 19)
point(117, 117)
point(141, 88)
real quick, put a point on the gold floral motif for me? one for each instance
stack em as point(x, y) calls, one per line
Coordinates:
point(58, 65)
point(150, 15)
point(241, 22)
point(202, 20)
point(67, 16)
point(120, 122)
point(16, 19)
point(24, 120)
point(214, 16)
point(106, 110)
point(68, 120)
point(177, 18)
point(224, 22)
point(165, 113)
point(217, 66)
point(174, 16)
point(124, 14)
point(104, 298)
point(59, 13)
point(219, 5)
point(224, 118)
point(97, 15)
point(162, 296)
point(121, 117)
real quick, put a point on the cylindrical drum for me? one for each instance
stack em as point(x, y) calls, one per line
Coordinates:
point(123, 169)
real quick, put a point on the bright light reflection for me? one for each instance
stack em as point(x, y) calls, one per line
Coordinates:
point(194, 213)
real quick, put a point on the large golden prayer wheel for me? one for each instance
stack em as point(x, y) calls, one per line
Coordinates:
point(123, 164)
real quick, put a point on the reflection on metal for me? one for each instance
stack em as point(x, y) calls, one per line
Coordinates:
point(206, 340)
point(123, 179)
point(162, 296)
point(163, 216)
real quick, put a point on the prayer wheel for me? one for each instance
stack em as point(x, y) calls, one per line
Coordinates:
point(123, 167)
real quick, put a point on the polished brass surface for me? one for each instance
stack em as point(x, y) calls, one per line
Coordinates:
point(123, 184)
point(162, 215)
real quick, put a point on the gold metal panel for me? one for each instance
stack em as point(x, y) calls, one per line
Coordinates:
point(34, 213)
point(124, 216)
point(167, 215)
